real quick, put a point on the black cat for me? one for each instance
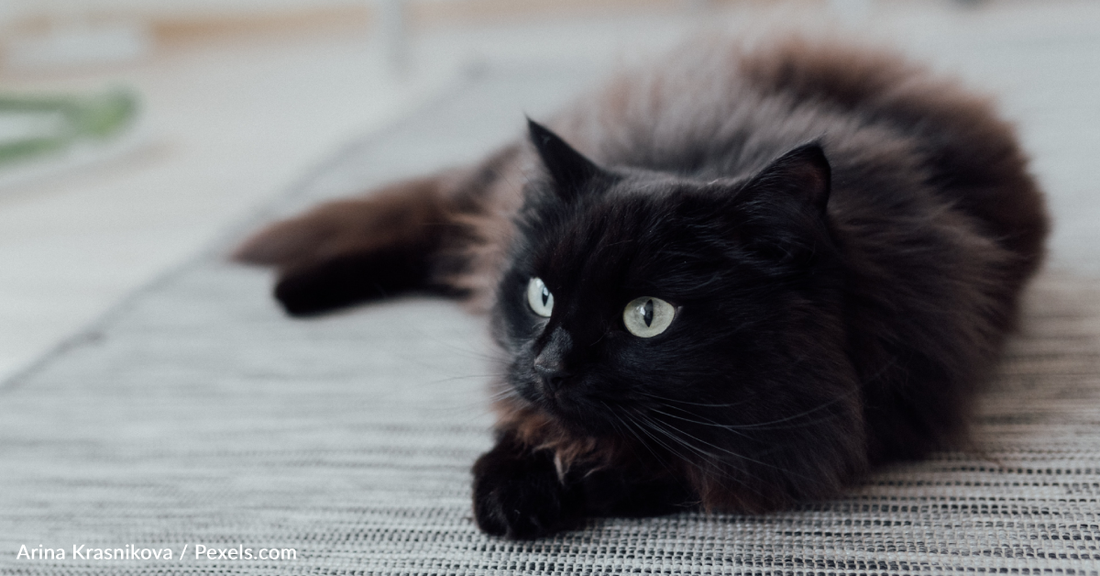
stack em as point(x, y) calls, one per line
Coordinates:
point(758, 273)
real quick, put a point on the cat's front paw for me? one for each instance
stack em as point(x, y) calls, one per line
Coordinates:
point(519, 496)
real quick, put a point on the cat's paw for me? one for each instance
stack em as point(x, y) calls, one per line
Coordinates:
point(520, 496)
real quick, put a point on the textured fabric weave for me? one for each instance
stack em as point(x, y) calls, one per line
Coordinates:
point(198, 414)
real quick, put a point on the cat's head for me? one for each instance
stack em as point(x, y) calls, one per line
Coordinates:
point(697, 321)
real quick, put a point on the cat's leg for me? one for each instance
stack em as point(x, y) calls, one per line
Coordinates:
point(358, 249)
point(633, 493)
point(520, 492)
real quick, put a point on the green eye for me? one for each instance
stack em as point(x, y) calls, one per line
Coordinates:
point(647, 316)
point(539, 298)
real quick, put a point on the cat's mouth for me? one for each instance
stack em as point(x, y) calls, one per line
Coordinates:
point(567, 407)
point(555, 402)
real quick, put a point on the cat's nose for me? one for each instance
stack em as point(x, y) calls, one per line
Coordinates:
point(552, 374)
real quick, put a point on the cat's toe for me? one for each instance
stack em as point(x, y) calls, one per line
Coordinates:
point(520, 498)
point(514, 514)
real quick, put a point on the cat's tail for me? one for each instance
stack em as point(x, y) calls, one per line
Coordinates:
point(353, 250)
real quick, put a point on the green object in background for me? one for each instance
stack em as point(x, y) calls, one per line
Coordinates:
point(51, 124)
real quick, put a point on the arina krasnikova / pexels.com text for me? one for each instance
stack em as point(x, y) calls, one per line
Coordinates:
point(133, 552)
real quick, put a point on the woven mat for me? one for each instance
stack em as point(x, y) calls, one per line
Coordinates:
point(196, 414)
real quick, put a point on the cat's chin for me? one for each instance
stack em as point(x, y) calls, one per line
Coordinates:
point(577, 421)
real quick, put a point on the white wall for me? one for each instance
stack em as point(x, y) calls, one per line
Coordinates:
point(14, 9)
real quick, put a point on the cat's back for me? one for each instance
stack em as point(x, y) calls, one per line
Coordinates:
point(891, 128)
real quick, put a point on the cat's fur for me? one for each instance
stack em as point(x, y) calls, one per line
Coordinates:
point(845, 236)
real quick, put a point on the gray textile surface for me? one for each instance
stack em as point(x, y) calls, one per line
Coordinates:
point(197, 413)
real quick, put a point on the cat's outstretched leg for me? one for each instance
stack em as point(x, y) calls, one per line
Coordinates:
point(520, 492)
point(354, 250)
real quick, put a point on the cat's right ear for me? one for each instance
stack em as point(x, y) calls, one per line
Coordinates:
point(572, 171)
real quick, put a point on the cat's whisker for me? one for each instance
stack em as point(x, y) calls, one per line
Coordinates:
point(633, 433)
point(474, 409)
point(682, 436)
point(502, 395)
point(471, 410)
point(657, 427)
point(700, 422)
point(648, 431)
point(486, 377)
point(449, 343)
point(648, 425)
point(706, 456)
point(771, 424)
point(699, 404)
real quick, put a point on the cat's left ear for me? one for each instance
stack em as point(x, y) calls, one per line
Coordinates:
point(802, 176)
point(572, 171)
point(782, 208)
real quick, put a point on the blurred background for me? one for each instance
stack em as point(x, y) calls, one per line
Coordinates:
point(134, 132)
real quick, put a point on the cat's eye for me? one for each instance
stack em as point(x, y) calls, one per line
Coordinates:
point(539, 298)
point(647, 316)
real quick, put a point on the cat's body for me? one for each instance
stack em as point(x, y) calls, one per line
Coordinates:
point(837, 239)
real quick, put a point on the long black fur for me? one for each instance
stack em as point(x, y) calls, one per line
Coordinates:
point(843, 236)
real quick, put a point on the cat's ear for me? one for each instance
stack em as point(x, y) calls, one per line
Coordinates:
point(570, 169)
point(783, 207)
point(802, 176)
